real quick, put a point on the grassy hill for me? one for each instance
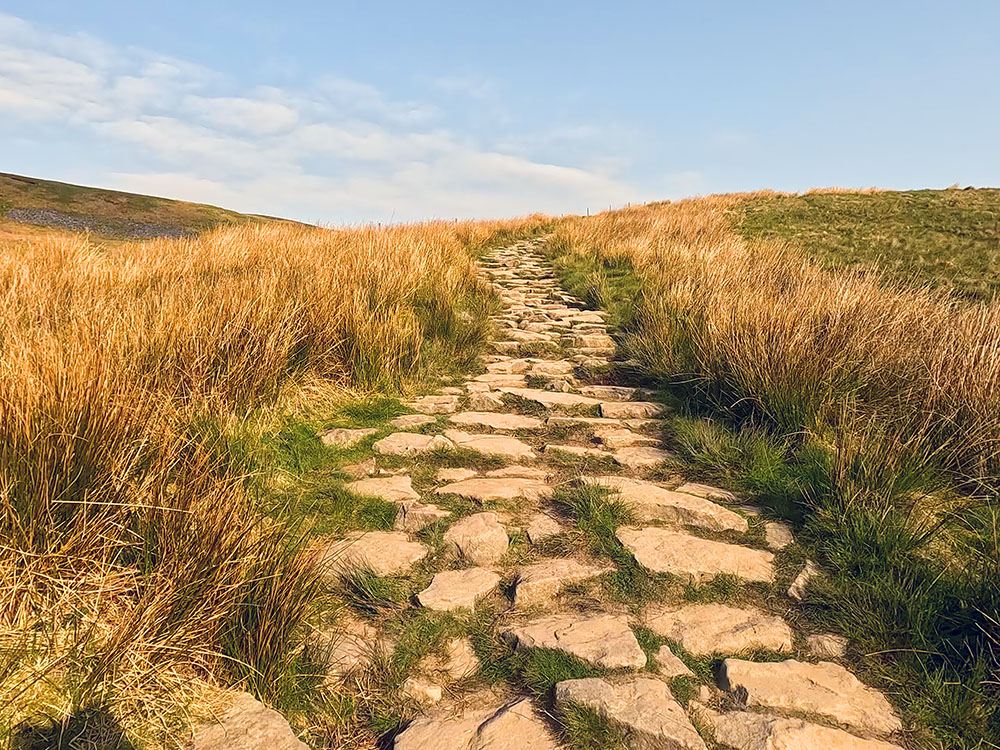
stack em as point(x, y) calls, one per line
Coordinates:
point(30, 206)
point(945, 238)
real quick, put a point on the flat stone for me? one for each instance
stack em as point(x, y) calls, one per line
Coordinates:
point(497, 488)
point(514, 726)
point(594, 341)
point(609, 392)
point(708, 492)
point(643, 706)
point(603, 640)
point(825, 689)
point(665, 551)
point(557, 421)
point(542, 581)
point(495, 380)
point(485, 401)
point(491, 445)
point(474, 387)
point(744, 730)
point(526, 472)
point(509, 366)
point(363, 469)
point(548, 368)
point(421, 690)
point(826, 646)
point(457, 589)
point(631, 409)
point(344, 438)
point(707, 629)
point(411, 444)
point(438, 404)
point(530, 337)
point(777, 535)
point(412, 421)
point(542, 526)
point(576, 451)
point(641, 456)
point(478, 538)
point(619, 437)
point(651, 502)
point(496, 420)
point(669, 665)
point(394, 489)
point(551, 399)
point(247, 724)
point(386, 553)
point(454, 475)
point(414, 516)
point(797, 590)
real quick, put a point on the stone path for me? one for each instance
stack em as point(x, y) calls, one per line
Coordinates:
point(551, 412)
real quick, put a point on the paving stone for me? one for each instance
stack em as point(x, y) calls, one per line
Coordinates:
point(744, 730)
point(473, 387)
point(549, 368)
point(708, 492)
point(651, 502)
point(777, 535)
point(825, 689)
point(345, 438)
point(386, 553)
point(669, 665)
point(644, 707)
point(486, 401)
point(491, 445)
point(495, 380)
point(826, 646)
point(631, 409)
point(609, 392)
point(603, 640)
point(394, 489)
point(437, 404)
point(579, 451)
point(497, 488)
point(247, 724)
point(594, 341)
point(556, 421)
point(478, 538)
point(641, 456)
point(457, 589)
point(542, 526)
point(665, 551)
point(619, 437)
point(410, 444)
point(412, 421)
point(509, 366)
point(513, 726)
point(496, 420)
point(551, 399)
point(542, 581)
point(363, 469)
point(413, 516)
point(516, 470)
point(797, 590)
point(454, 475)
point(707, 629)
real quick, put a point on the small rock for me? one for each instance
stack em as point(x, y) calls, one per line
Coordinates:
point(777, 535)
point(412, 421)
point(631, 409)
point(413, 516)
point(422, 691)
point(707, 629)
point(485, 401)
point(457, 589)
point(797, 590)
point(826, 646)
point(541, 581)
point(642, 706)
point(542, 526)
point(483, 489)
point(394, 489)
point(496, 420)
point(603, 640)
point(609, 392)
point(410, 444)
point(491, 445)
point(344, 438)
point(825, 689)
point(247, 724)
point(386, 553)
point(669, 665)
point(664, 551)
point(478, 538)
point(363, 469)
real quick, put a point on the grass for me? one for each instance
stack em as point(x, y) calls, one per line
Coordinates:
point(861, 409)
point(945, 238)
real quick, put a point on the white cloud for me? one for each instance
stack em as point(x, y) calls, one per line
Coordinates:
point(336, 150)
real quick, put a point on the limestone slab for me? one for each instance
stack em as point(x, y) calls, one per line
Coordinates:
point(413, 516)
point(491, 445)
point(609, 392)
point(497, 488)
point(394, 489)
point(386, 553)
point(479, 538)
point(541, 581)
point(458, 589)
point(436, 404)
point(641, 456)
point(412, 421)
point(345, 438)
point(665, 551)
point(669, 665)
point(603, 640)
point(496, 420)
point(454, 475)
point(744, 730)
point(247, 724)
point(410, 444)
point(777, 535)
point(551, 399)
point(542, 526)
point(707, 629)
point(631, 409)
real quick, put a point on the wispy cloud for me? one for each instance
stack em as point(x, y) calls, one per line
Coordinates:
point(338, 149)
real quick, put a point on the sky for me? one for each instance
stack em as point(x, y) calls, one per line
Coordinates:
point(345, 112)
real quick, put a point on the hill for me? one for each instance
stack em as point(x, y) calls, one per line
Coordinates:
point(31, 206)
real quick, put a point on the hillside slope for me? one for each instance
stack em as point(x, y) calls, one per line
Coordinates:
point(31, 206)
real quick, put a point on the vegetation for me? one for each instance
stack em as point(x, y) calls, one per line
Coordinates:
point(150, 553)
point(864, 410)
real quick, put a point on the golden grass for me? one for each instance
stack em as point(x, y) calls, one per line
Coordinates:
point(132, 570)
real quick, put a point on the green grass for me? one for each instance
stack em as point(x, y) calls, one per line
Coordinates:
point(946, 238)
point(370, 594)
point(585, 729)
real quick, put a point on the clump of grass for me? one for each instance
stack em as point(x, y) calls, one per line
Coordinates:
point(585, 729)
point(370, 594)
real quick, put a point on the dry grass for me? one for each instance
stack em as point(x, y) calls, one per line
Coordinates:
point(134, 574)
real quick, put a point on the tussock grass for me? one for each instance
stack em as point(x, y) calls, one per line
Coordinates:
point(867, 411)
point(141, 568)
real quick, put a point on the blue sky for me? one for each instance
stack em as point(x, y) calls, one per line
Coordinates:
point(352, 111)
